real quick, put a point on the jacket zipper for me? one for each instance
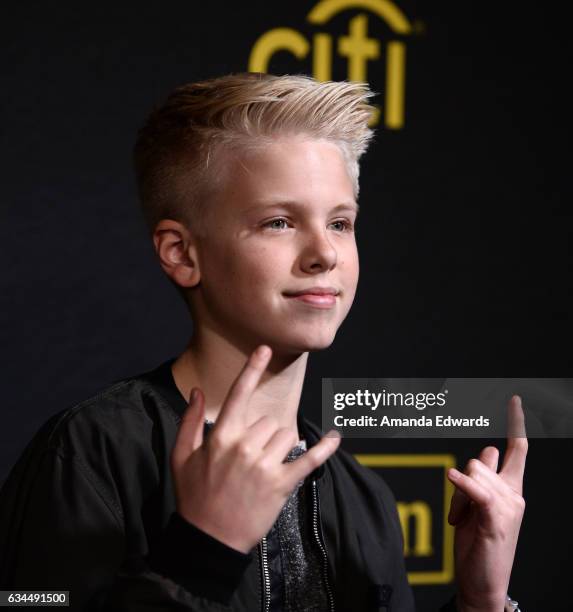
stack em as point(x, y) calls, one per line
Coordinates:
point(266, 602)
point(317, 535)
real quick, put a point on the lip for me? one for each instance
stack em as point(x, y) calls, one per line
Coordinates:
point(317, 297)
point(313, 291)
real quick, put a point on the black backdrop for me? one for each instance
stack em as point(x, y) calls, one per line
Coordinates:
point(464, 230)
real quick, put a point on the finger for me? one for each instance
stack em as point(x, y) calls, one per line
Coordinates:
point(475, 491)
point(458, 507)
point(488, 478)
point(190, 434)
point(234, 407)
point(281, 442)
point(314, 457)
point(488, 458)
point(513, 465)
point(260, 432)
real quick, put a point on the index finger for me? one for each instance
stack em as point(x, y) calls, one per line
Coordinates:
point(233, 409)
point(513, 465)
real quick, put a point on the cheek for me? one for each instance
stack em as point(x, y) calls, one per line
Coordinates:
point(256, 269)
point(350, 264)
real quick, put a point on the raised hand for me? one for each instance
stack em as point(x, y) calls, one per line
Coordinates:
point(233, 484)
point(487, 509)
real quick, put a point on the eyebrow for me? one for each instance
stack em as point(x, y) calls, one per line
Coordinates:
point(353, 206)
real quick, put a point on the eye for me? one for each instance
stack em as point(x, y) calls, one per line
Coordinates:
point(276, 224)
point(344, 225)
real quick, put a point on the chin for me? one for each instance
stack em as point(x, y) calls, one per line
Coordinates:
point(303, 343)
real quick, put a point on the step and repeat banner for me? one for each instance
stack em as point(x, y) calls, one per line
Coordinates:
point(464, 230)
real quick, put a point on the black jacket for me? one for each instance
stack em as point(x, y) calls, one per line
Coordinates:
point(90, 508)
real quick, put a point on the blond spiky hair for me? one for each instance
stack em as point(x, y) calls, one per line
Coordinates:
point(176, 153)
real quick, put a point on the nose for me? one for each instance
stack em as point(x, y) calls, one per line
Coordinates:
point(319, 254)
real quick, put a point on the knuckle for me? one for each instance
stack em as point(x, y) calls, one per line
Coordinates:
point(245, 449)
point(216, 442)
point(473, 467)
point(488, 500)
point(263, 468)
point(520, 443)
point(239, 387)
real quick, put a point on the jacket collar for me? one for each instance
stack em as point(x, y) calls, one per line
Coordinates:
point(162, 380)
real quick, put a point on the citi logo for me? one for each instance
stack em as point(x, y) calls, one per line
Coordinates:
point(361, 51)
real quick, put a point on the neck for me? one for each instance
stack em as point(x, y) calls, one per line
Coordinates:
point(212, 363)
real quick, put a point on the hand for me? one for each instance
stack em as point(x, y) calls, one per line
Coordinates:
point(234, 484)
point(487, 509)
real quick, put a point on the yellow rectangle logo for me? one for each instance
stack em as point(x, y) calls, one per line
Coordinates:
point(417, 515)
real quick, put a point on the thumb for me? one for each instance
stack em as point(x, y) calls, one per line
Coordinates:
point(190, 434)
point(313, 458)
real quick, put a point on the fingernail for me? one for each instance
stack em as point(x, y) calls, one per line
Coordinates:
point(263, 351)
point(193, 397)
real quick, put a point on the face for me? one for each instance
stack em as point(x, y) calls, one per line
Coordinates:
point(282, 223)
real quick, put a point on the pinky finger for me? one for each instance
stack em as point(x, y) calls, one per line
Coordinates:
point(190, 434)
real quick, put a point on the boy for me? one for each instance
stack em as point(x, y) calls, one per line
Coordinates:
point(139, 500)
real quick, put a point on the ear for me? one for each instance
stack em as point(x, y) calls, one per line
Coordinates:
point(177, 250)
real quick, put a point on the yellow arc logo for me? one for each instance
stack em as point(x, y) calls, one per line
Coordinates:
point(356, 46)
